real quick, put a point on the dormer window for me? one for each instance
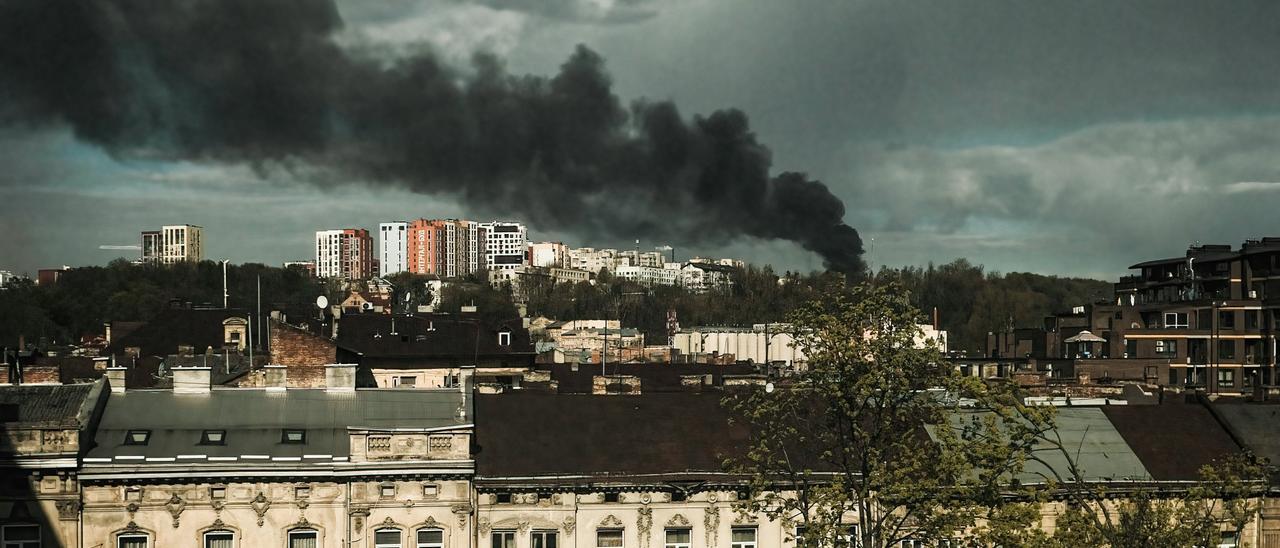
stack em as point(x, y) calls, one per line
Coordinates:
point(137, 437)
point(213, 437)
point(504, 338)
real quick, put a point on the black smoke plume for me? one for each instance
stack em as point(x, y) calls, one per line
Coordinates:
point(264, 83)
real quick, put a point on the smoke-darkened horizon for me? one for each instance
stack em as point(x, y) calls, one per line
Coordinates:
point(266, 84)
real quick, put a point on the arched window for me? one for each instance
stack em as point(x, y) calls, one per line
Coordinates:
point(387, 538)
point(219, 539)
point(430, 538)
point(25, 535)
point(304, 538)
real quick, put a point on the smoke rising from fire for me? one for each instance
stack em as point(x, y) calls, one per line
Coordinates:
point(266, 84)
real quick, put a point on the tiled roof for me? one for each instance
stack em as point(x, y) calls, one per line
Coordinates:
point(538, 434)
point(47, 405)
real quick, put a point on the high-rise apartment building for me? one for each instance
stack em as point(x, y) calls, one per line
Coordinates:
point(345, 253)
point(393, 248)
point(173, 244)
point(444, 247)
point(504, 246)
point(548, 254)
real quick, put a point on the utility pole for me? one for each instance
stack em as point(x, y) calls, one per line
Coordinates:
point(224, 283)
point(259, 309)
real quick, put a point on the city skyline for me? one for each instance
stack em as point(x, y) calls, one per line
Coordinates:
point(1150, 115)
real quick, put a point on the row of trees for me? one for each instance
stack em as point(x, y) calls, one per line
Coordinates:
point(884, 430)
point(969, 300)
point(84, 298)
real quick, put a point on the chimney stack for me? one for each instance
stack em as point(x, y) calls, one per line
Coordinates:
point(274, 377)
point(115, 378)
point(191, 380)
point(340, 377)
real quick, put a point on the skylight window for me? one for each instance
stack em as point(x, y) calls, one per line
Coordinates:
point(213, 437)
point(137, 437)
point(294, 435)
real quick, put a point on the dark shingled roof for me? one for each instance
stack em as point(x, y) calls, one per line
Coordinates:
point(532, 434)
point(198, 328)
point(1256, 425)
point(46, 405)
point(1174, 440)
point(428, 336)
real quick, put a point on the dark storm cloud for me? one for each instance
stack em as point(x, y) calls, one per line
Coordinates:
point(264, 84)
point(606, 11)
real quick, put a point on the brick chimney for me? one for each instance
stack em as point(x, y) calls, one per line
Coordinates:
point(191, 380)
point(115, 378)
point(274, 377)
point(340, 377)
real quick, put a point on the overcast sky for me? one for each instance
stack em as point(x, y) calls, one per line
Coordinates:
point(1070, 138)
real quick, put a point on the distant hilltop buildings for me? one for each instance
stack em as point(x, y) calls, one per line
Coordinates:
point(451, 248)
point(173, 244)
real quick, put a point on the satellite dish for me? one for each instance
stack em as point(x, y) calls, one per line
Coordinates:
point(768, 387)
point(322, 301)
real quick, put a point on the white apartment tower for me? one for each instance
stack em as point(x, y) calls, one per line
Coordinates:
point(345, 253)
point(173, 244)
point(505, 244)
point(393, 246)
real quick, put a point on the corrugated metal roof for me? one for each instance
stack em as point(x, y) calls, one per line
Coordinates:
point(1091, 441)
point(254, 419)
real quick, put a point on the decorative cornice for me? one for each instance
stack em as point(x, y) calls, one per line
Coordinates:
point(611, 521)
point(678, 520)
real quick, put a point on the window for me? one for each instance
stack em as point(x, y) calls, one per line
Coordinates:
point(544, 539)
point(213, 437)
point(217, 492)
point(1175, 320)
point(911, 543)
point(1253, 351)
point(1130, 348)
point(293, 435)
point(386, 538)
point(388, 490)
point(131, 541)
point(742, 537)
point(677, 538)
point(20, 536)
point(430, 538)
point(607, 538)
point(219, 539)
point(1226, 350)
point(1226, 319)
point(504, 539)
point(303, 538)
point(404, 381)
point(1167, 348)
point(133, 494)
point(301, 491)
point(1226, 377)
point(504, 338)
point(1251, 319)
point(137, 437)
point(430, 490)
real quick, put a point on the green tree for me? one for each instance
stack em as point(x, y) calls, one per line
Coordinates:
point(873, 432)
